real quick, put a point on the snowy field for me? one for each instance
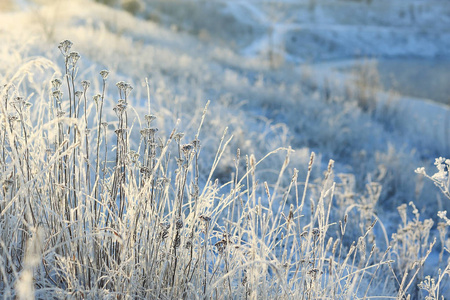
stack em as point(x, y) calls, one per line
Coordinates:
point(174, 149)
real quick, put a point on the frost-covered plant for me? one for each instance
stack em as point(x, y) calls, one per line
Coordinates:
point(93, 207)
point(367, 84)
point(411, 247)
point(441, 178)
point(433, 286)
point(357, 210)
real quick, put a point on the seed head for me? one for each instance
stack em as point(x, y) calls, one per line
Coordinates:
point(149, 118)
point(145, 171)
point(120, 85)
point(60, 113)
point(196, 143)
point(104, 74)
point(178, 136)
point(118, 110)
point(97, 97)
point(119, 131)
point(177, 242)
point(316, 232)
point(57, 94)
point(164, 234)
point(314, 272)
point(179, 224)
point(336, 243)
point(65, 46)
point(56, 83)
point(152, 131)
point(18, 102)
point(187, 148)
point(220, 246)
point(205, 218)
point(134, 156)
point(74, 56)
point(128, 87)
point(85, 84)
point(144, 132)
point(12, 118)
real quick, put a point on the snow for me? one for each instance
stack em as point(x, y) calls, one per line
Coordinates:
point(318, 30)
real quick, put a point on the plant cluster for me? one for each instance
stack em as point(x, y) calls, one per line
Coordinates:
point(87, 213)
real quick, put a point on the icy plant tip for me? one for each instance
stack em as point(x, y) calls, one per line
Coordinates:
point(440, 178)
point(420, 170)
point(443, 216)
point(443, 166)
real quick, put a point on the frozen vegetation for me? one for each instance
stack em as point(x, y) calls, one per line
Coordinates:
point(220, 150)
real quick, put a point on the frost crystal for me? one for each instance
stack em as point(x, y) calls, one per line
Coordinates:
point(420, 170)
point(442, 174)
